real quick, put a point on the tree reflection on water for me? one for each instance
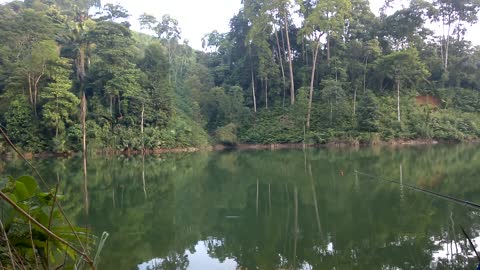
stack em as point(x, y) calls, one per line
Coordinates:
point(278, 209)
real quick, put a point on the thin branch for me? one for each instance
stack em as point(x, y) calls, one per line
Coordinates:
point(8, 244)
point(50, 218)
point(33, 245)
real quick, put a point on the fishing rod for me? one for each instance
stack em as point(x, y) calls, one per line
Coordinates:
point(443, 196)
point(472, 246)
point(446, 197)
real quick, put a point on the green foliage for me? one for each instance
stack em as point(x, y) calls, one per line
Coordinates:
point(60, 104)
point(22, 127)
point(368, 113)
point(227, 134)
point(274, 126)
point(55, 51)
point(21, 232)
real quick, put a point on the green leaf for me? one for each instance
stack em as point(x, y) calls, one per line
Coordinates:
point(30, 184)
point(21, 191)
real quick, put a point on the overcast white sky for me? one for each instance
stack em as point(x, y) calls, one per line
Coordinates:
point(198, 17)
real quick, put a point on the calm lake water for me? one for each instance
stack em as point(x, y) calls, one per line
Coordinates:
point(286, 209)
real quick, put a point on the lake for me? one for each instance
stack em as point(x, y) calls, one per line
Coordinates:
point(284, 209)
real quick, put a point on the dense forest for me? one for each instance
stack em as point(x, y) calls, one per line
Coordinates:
point(73, 73)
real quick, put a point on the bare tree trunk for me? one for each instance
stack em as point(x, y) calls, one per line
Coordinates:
point(83, 116)
point(266, 92)
point(328, 48)
point(365, 75)
point(290, 64)
point(354, 100)
point(398, 100)
point(281, 67)
point(80, 64)
point(253, 94)
point(446, 49)
point(111, 105)
point(120, 106)
point(36, 91)
point(141, 128)
point(312, 80)
point(30, 89)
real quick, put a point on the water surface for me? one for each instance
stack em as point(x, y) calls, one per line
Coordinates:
point(287, 209)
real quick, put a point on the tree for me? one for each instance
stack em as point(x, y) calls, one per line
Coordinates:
point(403, 67)
point(453, 14)
point(60, 103)
point(275, 12)
point(368, 113)
point(322, 17)
point(34, 67)
point(113, 12)
point(167, 31)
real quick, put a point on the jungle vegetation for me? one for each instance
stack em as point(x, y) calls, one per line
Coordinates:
point(73, 74)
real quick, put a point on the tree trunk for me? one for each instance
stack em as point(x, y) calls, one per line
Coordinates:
point(280, 58)
point(83, 116)
point(365, 75)
point(312, 81)
point(30, 91)
point(35, 91)
point(328, 48)
point(331, 112)
point(266, 92)
point(354, 100)
point(141, 128)
point(253, 94)
point(446, 50)
point(80, 64)
point(111, 106)
point(398, 100)
point(290, 59)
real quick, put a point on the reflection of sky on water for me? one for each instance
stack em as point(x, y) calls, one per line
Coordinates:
point(198, 260)
point(201, 260)
point(449, 250)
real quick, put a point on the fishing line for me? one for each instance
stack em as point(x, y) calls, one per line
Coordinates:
point(447, 197)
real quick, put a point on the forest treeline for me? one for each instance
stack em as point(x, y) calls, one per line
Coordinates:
point(74, 73)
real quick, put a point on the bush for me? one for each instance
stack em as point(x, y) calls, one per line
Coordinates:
point(227, 134)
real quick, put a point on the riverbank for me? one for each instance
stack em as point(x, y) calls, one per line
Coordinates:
point(242, 146)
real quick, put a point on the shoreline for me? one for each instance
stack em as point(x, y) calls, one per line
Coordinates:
point(243, 146)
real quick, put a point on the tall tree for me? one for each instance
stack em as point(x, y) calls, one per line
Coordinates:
point(60, 103)
point(322, 18)
point(453, 15)
point(403, 67)
point(35, 65)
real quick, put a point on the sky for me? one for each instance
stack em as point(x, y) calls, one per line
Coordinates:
point(195, 17)
point(199, 17)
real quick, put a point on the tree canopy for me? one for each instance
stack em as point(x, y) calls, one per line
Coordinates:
point(346, 72)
